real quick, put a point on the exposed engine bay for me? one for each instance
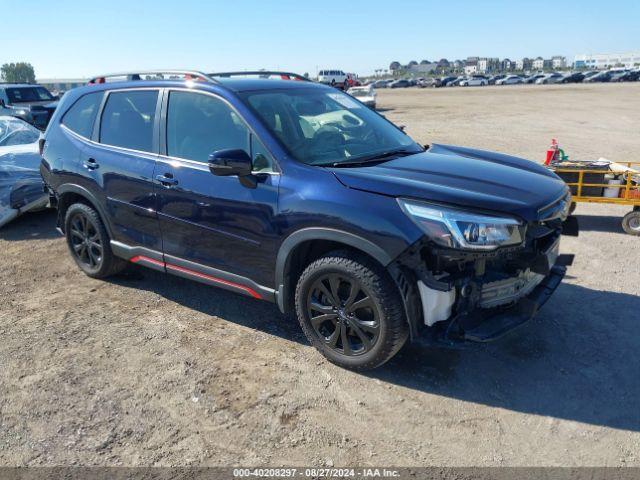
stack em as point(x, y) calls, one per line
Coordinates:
point(460, 290)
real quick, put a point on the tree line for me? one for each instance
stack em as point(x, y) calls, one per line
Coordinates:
point(19, 72)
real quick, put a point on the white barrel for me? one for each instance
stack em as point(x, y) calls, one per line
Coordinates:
point(612, 192)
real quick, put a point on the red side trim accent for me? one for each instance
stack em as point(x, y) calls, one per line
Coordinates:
point(250, 291)
point(142, 258)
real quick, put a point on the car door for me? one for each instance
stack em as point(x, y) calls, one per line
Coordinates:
point(207, 221)
point(121, 160)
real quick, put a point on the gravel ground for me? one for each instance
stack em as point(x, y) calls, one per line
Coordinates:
point(147, 369)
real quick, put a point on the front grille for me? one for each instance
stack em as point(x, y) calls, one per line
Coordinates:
point(502, 292)
point(507, 290)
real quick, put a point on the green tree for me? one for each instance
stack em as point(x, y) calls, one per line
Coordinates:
point(19, 72)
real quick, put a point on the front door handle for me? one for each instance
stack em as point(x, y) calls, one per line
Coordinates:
point(91, 164)
point(167, 180)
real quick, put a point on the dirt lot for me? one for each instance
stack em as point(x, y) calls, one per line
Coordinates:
point(148, 369)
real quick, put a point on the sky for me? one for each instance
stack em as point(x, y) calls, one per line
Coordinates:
point(78, 39)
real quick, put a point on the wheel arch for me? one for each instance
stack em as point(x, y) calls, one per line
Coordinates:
point(303, 246)
point(69, 194)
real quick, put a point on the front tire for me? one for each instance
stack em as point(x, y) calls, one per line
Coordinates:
point(351, 311)
point(88, 242)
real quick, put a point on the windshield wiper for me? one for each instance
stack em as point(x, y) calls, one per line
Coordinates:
point(375, 158)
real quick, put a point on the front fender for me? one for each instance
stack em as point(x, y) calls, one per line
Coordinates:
point(298, 237)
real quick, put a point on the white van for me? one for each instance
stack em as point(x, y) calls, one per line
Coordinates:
point(335, 78)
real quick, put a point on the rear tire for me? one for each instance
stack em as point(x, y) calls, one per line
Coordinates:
point(88, 242)
point(631, 223)
point(350, 310)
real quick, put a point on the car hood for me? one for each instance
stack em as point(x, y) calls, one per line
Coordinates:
point(464, 177)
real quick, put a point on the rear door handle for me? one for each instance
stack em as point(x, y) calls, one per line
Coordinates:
point(91, 164)
point(167, 180)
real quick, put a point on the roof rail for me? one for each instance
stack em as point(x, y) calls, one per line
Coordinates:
point(157, 74)
point(262, 74)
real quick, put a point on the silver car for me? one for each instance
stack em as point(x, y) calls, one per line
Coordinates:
point(550, 78)
point(366, 95)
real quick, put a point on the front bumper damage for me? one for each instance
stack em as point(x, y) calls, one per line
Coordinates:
point(455, 296)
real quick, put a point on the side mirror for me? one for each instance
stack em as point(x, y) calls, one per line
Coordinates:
point(2, 104)
point(225, 163)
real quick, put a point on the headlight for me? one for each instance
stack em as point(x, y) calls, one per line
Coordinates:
point(461, 229)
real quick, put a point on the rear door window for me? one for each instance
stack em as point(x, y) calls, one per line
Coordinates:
point(81, 116)
point(128, 119)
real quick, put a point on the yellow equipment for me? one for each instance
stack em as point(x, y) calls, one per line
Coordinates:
point(579, 177)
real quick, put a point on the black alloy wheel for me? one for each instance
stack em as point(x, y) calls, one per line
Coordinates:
point(85, 241)
point(88, 242)
point(351, 310)
point(343, 314)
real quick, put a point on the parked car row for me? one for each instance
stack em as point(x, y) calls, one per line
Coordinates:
point(478, 80)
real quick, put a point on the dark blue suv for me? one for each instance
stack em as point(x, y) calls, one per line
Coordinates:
point(296, 193)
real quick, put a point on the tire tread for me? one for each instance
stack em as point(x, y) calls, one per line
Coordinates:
point(374, 276)
point(111, 265)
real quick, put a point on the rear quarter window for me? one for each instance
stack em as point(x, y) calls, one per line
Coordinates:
point(82, 114)
point(128, 119)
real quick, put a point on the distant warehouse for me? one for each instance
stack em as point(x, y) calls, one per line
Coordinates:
point(608, 60)
point(62, 84)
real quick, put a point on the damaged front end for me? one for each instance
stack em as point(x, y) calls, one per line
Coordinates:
point(475, 277)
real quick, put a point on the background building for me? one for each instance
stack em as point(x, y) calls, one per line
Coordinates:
point(607, 60)
point(488, 65)
point(507, 65)
point(62, 84)
point(558, 62)
point(538, 63)
point(524, 64)
point(471, 65)
point(422, 68)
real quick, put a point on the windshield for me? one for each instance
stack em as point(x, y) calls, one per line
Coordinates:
point(28, 94)
point(16, 132)
point(325, 127)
